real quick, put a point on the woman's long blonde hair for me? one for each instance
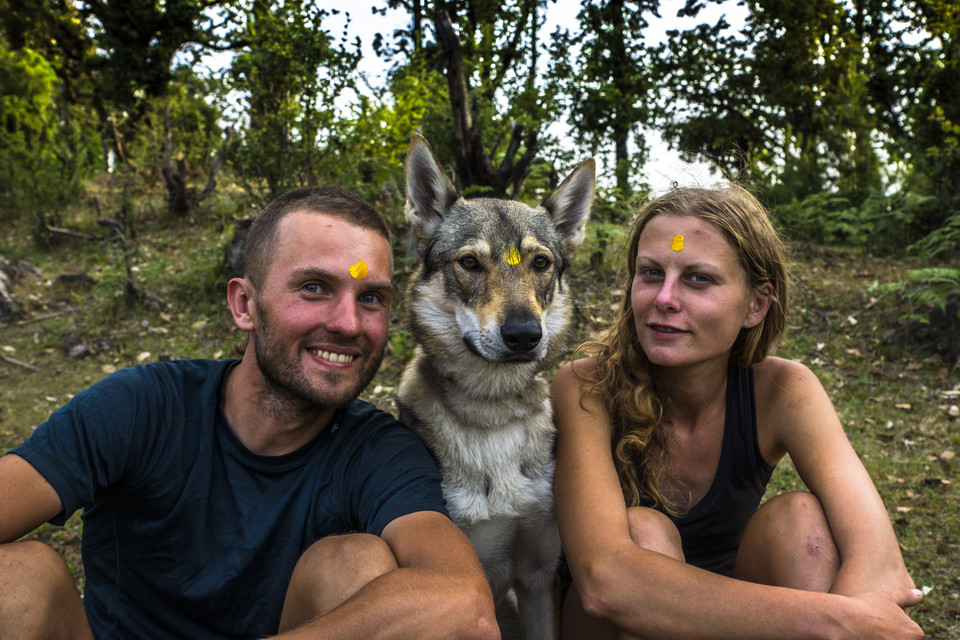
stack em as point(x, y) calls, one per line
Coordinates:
point(622, 378)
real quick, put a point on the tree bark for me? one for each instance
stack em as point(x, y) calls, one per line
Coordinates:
point(474, 165)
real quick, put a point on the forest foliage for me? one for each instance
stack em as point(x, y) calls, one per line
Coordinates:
point(843, 116)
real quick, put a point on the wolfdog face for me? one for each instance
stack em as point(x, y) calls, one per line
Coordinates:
point(489, 288)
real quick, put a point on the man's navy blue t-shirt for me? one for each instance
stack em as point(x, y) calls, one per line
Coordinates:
point(186, 532)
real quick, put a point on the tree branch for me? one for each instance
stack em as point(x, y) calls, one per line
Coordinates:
point(217, 164)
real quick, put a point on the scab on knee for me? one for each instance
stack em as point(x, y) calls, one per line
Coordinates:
point(789, 543)
point(800, 516)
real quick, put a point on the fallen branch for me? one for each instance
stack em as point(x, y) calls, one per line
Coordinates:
point(73, 234)
point(25, 365)
point(46, 316)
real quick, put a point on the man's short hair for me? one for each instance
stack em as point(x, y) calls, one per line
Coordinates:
point(332, 201)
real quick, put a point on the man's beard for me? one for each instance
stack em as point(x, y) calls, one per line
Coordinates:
point(288, 388)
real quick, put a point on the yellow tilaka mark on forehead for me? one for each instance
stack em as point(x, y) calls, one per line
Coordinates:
point(677, 243)
point(359, 270)
point(512, 256)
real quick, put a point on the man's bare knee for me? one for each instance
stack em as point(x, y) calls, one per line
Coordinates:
point(653, 530)
point(38, 597)
point(331, 571)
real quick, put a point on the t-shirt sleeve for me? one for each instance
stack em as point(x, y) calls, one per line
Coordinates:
point(86, 445)
point(397, 476)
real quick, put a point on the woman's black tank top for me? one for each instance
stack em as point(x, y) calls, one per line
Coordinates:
point(711, 530)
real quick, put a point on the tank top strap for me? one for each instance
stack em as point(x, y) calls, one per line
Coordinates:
point(740, 433)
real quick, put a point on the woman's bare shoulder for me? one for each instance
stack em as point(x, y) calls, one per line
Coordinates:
point(788, 393)
point(577, 371)
point(574, 385)
point(782, 374)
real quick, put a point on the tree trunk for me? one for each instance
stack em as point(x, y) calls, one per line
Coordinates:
point(180, 197)
point(622, 168)
point(178, 200)
point(472, 163)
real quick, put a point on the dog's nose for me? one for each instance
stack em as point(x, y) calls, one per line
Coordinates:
point(521, 335)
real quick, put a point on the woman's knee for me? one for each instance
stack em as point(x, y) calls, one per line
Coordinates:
point(653, 530)
point(796, 518)
point(789, 543)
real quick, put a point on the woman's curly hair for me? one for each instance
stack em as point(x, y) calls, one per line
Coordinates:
point(622, 379)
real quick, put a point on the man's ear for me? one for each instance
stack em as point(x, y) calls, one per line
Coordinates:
point(762, 298)
point(240, 299)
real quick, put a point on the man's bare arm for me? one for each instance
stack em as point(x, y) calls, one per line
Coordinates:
point(27, 500)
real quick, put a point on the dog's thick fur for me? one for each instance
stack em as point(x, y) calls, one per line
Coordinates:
point(489, 308)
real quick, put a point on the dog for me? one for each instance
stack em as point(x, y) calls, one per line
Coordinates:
point(489, 307)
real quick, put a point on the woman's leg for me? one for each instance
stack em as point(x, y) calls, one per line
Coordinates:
point(788, 543)
point(649, 529)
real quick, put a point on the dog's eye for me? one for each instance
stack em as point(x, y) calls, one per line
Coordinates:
point(540, 263)
point(470, 263)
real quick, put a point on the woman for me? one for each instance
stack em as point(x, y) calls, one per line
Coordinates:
point(668, 434)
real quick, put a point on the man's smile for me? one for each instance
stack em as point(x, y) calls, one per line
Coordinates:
point(339, 358)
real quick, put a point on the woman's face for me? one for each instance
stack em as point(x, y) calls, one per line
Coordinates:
point(689, 295)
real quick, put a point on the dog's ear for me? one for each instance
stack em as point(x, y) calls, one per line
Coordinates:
point(429, 190)
point(569, 205)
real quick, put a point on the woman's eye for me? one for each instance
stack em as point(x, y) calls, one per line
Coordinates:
point(650, 272)
point(541, 263)
point(470, 263)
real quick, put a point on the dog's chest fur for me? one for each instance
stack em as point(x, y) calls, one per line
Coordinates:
point(495, 457)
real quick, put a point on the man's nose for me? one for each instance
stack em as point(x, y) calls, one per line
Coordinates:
point(344, 316)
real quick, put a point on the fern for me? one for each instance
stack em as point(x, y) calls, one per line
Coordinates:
point(926, 289)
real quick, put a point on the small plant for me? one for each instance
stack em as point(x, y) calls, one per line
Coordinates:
point(933, 287)
point(925, 289)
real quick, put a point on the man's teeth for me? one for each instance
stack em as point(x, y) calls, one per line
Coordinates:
point(339, 358)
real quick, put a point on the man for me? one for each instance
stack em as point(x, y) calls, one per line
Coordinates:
point(213, 492)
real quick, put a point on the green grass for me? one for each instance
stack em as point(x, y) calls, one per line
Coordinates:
point(892, 401)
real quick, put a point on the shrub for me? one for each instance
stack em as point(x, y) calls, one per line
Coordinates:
point(47, 149)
